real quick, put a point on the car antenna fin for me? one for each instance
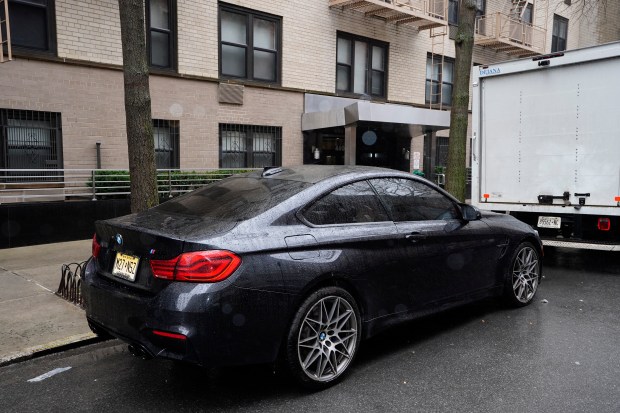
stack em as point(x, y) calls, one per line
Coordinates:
point(271, 170)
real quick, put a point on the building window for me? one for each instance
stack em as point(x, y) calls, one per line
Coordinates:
point(245, 146)
point(453, 11)
point(30, 140)
point(33, 24)
point(249, 44)
point(166, 137)
point(439, 79)
point(560, 33)
point(361, 66)
point(528, 14)
point(161, 21)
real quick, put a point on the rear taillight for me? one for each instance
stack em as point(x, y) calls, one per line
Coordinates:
point(197, 266)
point(96, 247)
point(604, 224)
point(167, 334)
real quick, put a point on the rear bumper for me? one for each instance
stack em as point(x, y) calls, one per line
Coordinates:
point(222, 326)
point(581, 245)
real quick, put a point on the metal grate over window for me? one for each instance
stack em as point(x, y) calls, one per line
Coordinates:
point(247, 146)
point(442, 151)
point(30, 140)
point(166, 138)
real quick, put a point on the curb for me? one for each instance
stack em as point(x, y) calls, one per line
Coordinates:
point(57, 346)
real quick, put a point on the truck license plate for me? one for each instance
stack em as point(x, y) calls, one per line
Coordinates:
point(549, 222)
point(125, 266)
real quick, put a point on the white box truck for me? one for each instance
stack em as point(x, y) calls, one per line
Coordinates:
point(546, 144)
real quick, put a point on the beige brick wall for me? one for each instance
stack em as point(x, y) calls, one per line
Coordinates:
point(91, 104)
point(195, 104)
point(91, 100)
point(198, 37)
point(89, 30)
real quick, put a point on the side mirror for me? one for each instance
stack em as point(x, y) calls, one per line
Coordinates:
point(470, 213)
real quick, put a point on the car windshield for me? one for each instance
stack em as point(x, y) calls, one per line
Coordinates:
point(233, 199)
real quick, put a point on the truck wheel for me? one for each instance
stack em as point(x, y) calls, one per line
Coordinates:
point(324, 338)
point(524, 275)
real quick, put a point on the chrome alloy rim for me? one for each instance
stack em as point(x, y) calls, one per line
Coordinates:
point(327, 338)
point(525, 274)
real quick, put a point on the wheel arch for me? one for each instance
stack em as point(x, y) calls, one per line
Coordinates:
point(331, 280)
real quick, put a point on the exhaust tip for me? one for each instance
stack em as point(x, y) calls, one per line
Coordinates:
point(138, 351)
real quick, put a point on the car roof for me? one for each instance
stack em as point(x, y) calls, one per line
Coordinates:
point(313, 174)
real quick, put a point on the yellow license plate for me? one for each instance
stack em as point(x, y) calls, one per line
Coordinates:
point(125, 266)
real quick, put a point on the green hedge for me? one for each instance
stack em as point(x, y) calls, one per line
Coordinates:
point(112, 181)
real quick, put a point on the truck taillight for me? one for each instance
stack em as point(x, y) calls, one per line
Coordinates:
point(604, 224)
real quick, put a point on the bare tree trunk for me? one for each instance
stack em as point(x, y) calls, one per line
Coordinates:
point(457, 144)
point(140, 142)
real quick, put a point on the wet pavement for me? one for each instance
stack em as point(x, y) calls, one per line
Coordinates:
point(560, 354)
point(32, 317)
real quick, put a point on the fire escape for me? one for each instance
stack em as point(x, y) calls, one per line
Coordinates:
point(521, 32)
point(421, 14)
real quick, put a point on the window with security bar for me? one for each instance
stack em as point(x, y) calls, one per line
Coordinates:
point(441, 156)
point(439, 80)
point(166, 139)
point(246, 146)
point(31, 140)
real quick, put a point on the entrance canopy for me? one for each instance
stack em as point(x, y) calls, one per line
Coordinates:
point(328, 112)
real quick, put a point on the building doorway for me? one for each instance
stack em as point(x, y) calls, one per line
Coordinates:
point(384, 145)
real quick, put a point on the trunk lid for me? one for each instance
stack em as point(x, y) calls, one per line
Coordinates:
point(138, 238)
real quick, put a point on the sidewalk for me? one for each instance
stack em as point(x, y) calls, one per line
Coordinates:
point(32, 317)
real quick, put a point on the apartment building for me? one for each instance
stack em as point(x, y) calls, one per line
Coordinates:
point(250, 83)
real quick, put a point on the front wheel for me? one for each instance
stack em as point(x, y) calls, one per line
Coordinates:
point(324, 337)
point(524, 276)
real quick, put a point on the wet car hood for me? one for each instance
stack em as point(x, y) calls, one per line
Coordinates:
point(506, 222)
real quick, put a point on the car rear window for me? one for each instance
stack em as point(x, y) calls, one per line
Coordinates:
point(233, 199)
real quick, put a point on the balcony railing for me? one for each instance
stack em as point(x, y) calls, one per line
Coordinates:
point(32, 185)
point(421, 14)
point(502, 33)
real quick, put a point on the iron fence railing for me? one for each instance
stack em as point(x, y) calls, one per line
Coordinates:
point(31, 185)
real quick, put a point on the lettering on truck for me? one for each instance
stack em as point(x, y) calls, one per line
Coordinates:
point(490, 71)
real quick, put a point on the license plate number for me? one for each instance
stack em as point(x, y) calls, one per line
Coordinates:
point(125, 266)
point(549, 222)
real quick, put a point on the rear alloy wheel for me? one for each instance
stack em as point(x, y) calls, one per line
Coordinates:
point(323, 338)
point(524, 275)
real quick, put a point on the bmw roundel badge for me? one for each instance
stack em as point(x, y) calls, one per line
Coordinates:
point(119, 239)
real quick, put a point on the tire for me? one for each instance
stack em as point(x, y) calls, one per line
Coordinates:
point(323, 339)
point(523, 275)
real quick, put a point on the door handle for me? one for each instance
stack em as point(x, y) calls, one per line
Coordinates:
point(415, 237)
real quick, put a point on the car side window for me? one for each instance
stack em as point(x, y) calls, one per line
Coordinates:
point(350, 204)
point(409, 200)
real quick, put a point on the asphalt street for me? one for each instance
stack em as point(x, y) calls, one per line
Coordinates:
point(560, 354)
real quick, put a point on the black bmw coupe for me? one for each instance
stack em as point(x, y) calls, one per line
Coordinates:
point(298, 265)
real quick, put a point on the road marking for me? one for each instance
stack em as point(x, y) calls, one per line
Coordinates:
point(49, 374)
